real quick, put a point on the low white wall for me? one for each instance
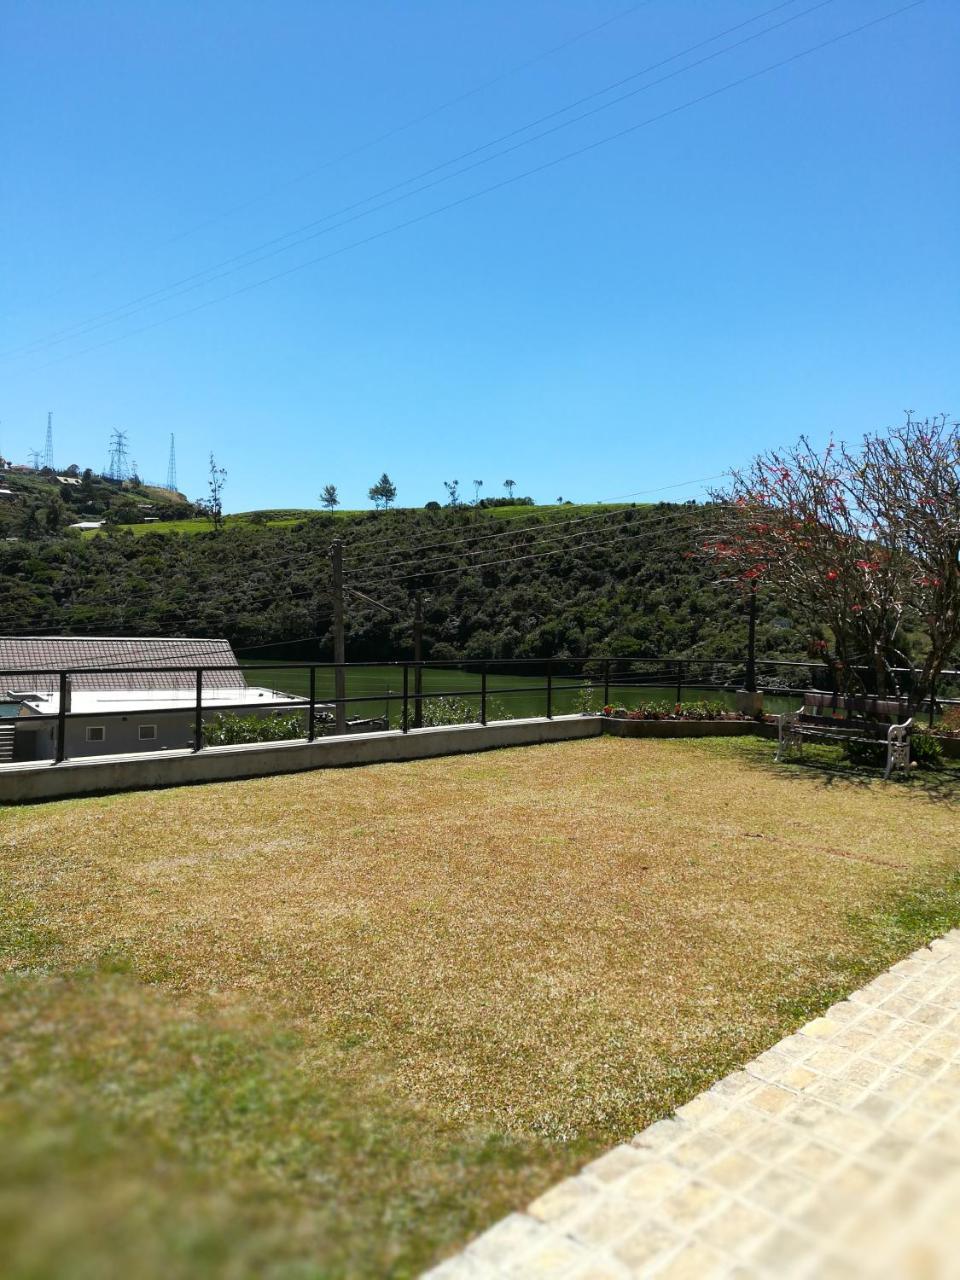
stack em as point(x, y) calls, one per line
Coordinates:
point(44, 781)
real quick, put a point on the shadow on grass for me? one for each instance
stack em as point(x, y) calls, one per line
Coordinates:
point(828, 766)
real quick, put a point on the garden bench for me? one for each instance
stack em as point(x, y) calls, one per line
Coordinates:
point(826, 717)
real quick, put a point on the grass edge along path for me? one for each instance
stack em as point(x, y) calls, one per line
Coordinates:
point(170, 1119)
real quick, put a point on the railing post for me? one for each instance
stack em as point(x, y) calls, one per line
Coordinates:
point(312, 717)
point(679, 680)
point(483, 694)
point(933, 702)
point(198, 713)
point(61, 752)
point(549, 688)
point(606, 682)
point(405, 726)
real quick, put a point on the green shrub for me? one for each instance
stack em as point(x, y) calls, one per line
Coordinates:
point(926, 750)
point(587, 701)
point(865, 754)
point(230, 729)
point(438, 712)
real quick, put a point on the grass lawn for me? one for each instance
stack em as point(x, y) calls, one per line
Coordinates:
point(330, 1025)
point(294, 516)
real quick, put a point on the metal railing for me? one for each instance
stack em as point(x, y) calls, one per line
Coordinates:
point(562, 679)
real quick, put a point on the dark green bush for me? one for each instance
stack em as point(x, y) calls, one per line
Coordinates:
point(866, 755)
point(926, 750)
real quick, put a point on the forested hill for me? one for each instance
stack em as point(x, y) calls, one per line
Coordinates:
point(38, 504)
point(571, 581)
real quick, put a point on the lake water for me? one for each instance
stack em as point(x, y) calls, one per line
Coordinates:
point(378, 691)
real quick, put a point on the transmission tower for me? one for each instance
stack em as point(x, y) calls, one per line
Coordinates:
point(118, 468)
point(35, 459)
point(172, 466)
point(48, 447)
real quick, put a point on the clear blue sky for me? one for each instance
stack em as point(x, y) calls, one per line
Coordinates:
point(779, 258)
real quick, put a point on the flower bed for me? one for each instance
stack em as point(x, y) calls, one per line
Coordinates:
point(683, 720)
point(677, 711)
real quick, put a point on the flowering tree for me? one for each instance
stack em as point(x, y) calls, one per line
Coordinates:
point(865, 541)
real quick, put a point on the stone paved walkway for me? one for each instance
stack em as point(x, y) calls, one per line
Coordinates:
point(834, 1154)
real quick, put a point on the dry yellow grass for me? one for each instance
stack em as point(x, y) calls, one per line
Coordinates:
point(504, 960)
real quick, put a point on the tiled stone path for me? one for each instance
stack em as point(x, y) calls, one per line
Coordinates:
point(834, 1154)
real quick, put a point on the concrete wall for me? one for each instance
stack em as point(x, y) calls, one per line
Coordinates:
point(121, 735)
point(37, 741)
point(46, 781)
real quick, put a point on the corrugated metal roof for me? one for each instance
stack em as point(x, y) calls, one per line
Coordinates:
point(30, 653)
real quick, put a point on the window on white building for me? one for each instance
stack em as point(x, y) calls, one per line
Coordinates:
point(148, 732)
point(96, 733)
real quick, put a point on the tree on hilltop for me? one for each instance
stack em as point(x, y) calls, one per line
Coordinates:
point(211, 507)
point(510, 485)
point(383, 492)
point(329, 498)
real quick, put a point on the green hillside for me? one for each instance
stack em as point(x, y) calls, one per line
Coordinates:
point(501, 583)
point(42, 505)
point(286, 516)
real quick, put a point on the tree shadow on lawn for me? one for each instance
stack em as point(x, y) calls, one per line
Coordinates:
point(828, 766)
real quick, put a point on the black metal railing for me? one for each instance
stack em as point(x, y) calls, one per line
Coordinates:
point(554, 682)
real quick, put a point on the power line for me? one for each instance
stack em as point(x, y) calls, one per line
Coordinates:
point(492, 564)
point(684, 484)
point(644, 524)
point(205, 277)
point(546, 536)
point(398, 129)
point(423, 565)
point(200, 279)
point(536, 527)
point(505, 533)
point(496, 186)
point(536, 520)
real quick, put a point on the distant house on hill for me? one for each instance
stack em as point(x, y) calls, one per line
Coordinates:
point(122, 695)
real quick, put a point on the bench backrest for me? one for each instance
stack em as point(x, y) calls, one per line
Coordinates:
point(865, 707)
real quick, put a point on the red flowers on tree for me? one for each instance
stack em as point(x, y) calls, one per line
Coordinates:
point(863, 540)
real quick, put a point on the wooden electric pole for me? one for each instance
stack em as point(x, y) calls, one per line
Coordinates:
point(751, 681)
point(339, 641)
point(418, 658)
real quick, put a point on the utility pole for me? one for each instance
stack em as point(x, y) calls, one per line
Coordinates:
point(751, 680)
point(418, 657)
point(339, 642)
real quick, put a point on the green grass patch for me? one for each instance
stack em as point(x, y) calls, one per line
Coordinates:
point(294, 516)
point(330, 1025)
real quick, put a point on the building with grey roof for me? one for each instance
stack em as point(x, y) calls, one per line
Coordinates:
point(121, 694)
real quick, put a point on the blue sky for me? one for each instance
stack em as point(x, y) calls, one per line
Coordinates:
point(778, 258)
